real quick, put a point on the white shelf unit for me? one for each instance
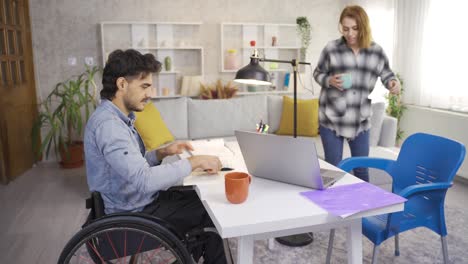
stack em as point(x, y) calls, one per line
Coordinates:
point(238, 36)
point(181, 41)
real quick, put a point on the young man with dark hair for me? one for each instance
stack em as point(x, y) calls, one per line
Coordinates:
point(118, 166)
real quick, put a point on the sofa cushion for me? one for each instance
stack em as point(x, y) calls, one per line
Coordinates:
point(220, 117)
point(378, 112)
point(307, 117)
point(174, 113)
point(151, 127)
point(275, 109)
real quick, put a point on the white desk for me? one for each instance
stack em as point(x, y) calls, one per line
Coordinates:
point(275, 209)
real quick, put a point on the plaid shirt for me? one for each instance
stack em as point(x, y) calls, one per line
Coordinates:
point(347, 112)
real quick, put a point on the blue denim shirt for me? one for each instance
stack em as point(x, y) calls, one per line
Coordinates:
point(117, 165)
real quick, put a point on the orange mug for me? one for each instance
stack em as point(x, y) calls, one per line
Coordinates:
point(237, 186)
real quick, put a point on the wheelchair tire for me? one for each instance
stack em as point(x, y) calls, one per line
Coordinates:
point(89, 241)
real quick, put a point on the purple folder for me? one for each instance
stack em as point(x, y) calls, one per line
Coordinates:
point(346, 200)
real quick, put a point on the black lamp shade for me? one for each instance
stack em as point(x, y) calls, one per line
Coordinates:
point(253, 74)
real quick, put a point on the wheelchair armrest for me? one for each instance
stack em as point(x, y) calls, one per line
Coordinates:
point(182, 188)
point(416, 189)
point(96, 204)
point(367, 162)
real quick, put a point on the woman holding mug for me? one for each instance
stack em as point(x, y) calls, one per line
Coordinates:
point(347, 70)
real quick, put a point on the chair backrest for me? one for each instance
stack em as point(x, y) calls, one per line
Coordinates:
point(426, 158)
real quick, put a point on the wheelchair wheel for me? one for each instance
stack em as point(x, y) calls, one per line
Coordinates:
point(125, 239)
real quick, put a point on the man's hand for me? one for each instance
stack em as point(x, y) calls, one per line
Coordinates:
point(335, 81)
point(175, 148)
point(210, 164)
point(394, 87)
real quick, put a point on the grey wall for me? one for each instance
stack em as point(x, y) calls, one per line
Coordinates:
point(63, 28)
point(438, 122)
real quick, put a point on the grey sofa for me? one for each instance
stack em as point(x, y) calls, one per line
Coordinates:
point(189, 118)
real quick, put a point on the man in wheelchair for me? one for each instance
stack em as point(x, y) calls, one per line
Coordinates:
point(130, 179)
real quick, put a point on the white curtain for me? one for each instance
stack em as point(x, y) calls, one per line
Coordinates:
point(409, 31)
point(431, 54)
point(445, 57)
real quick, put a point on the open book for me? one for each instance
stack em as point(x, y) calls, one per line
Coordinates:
point(215, 147)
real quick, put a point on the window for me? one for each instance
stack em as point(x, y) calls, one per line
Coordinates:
point(444, 56)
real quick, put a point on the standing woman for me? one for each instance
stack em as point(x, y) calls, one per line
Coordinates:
point(347, 70)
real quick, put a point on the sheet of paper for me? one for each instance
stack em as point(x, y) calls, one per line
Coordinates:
point(215, 147)
point(350, 199)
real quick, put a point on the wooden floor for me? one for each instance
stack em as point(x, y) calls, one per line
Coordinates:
point(43, 208)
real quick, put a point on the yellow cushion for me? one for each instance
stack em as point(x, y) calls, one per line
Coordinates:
point(307, 117)
point(152, 128)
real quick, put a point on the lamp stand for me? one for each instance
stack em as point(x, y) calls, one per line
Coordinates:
point(298, 240)
point(255, 74)
point(294, 64)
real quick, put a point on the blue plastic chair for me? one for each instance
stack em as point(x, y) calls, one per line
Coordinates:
point(422, 174)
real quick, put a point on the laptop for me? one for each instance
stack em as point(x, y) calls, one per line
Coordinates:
point(285, 159)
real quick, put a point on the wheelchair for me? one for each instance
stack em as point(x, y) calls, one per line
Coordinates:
point(132, 238)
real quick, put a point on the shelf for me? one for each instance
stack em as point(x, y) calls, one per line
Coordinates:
point(180, 41)
point(237, 36)
point(264, 92)
point(148, 23)
point(269, 70)
point(237, 94)
point(168, 48)
point(167, 97)
point(273, 47)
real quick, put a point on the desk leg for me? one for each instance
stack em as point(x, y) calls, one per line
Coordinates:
point(354, 241)
point(245, 249)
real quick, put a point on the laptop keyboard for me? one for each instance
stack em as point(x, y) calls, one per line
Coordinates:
point(327, 180)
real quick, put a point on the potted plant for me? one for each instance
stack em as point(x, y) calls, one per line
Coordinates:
point(396, 108)
point(63, 115)
point(303, 29)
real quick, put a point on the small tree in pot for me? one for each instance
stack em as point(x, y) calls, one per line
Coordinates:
point(396, 108)
point(63, 114)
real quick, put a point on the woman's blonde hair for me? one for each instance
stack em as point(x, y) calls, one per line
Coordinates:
point(362, 20)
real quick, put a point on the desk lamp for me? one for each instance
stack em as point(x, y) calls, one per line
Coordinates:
point(255, 74)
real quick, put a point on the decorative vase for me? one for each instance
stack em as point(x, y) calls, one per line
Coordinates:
point(230, 62)
point(168, 63)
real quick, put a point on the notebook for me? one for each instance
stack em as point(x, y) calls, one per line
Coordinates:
point(285, 159)
point(214, 147)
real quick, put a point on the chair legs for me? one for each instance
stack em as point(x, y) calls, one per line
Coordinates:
point(330, 246)
point(443, 239)
point(227, 251)
point(397, 246)
point(375, 254)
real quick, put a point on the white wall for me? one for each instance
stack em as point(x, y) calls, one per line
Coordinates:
point(439, 122)
point(63, 28)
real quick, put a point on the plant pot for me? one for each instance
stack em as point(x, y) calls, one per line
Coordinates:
point(74, 157)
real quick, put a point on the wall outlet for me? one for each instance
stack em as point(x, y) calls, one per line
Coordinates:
point(72, 60)
point(89, 61)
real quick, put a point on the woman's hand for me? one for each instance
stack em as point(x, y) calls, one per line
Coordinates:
point(394, 87)
point(335, 81)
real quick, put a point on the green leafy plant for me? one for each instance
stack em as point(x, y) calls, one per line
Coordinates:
point(64, 112)
point(303, 29)
point(396, 108)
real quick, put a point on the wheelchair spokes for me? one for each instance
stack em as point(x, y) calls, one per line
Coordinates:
point(123, 245)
